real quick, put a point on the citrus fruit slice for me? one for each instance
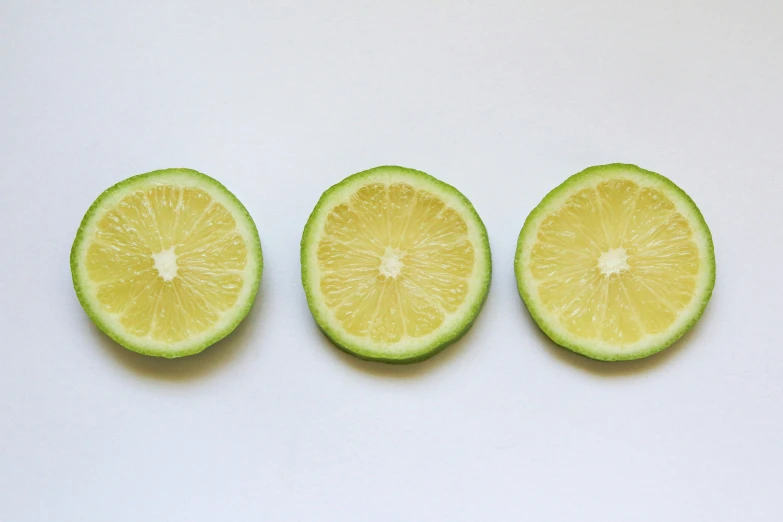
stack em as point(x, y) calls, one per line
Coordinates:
point(167, 263)
point(395, 264)
point(616, 263)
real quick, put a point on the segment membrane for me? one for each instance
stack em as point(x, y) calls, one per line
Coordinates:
point(210, 259)
point(394, 225)
point(618, 307)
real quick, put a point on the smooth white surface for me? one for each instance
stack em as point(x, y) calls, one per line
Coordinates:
point(281, 100)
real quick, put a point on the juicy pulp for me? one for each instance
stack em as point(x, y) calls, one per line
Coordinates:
point(395, 262)
point(167, 262)
point(616, 262)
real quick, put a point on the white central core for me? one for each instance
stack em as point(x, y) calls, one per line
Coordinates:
point(166, 263)
point(391, 264)
point(613, 262)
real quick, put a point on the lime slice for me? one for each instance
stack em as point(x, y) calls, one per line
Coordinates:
point(167, 263)
point(616, 263)
point(395, 264)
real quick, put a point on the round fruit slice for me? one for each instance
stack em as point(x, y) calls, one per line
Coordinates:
point(167, 263)
point(616, 263)
point(395, 264)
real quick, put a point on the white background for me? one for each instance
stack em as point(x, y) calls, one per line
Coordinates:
point(279, 100)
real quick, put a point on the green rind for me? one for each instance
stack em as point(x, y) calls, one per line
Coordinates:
point(585, 348)
point(446, 338)
point(95, 315)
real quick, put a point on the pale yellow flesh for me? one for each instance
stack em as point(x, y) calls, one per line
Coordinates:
point(615, 263)
point(167, 262)
point(394, 262)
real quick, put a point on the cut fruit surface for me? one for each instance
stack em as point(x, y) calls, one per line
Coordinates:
point(167, 263)
point(395, 264)
point(616, 263)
